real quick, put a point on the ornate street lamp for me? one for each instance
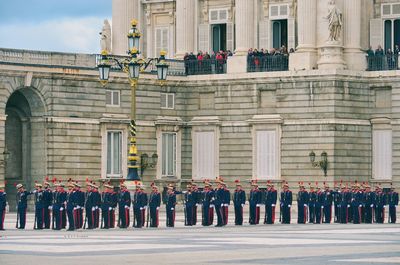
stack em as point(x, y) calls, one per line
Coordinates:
point(6, 156)
point(133, 67)
point(323, 163)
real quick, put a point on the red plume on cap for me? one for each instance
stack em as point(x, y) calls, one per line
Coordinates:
point(236, 181)
point(341, 181)
point(5, 182)
point(15, 184)
point(152, 184)
point(35, 181)
point(47, 178)
point(316, 183)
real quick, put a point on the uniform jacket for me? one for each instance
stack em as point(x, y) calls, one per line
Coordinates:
point(393, 198)
point(22, 199)
point(124, 198)
point(48, 197)
point(303, 198)
point(271, 196)
point(286, 198)
point(171, 200)
point(239, 197)
point(3, 200)
point(155, 199)
point(255, 197)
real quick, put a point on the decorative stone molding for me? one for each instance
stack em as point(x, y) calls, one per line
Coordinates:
point(328, 121)
point(72, 120)
point(205, 120)
point(266, 119)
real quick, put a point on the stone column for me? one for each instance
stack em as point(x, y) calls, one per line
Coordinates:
point(353, 55)
point(305, 56)
point(123, 11)
point(245, 24)
point(185, 29)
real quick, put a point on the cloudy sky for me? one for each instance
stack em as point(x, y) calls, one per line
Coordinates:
point(53, 25)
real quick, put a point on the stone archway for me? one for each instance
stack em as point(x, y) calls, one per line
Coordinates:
point(25, 131)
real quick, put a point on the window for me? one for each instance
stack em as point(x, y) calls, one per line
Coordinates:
point(167, 101)
point(114, 153)
point(382, 154)
point(168, 155)
point(112, 98)
point(204, 155)
point(161, 40)
point(267, 155)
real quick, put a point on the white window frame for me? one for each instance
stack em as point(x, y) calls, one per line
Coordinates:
point(266, 123)
point(213, 155)
point(218, 20)
point(163, 175)
point(167, 102)
point(167, 48)
point(113, 93)
point(378, 158)
point(391, 15)
point(113, 174)
point(279, 16)
point(105, 129)
point(272, 163)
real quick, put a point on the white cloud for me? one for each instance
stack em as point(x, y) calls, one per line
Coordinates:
point(65, 35)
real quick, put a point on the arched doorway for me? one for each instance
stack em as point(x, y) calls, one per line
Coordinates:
point(25, 131)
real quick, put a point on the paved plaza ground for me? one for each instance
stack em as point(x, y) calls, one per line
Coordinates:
point(261, 244)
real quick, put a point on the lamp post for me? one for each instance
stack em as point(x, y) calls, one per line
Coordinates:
point(323, 163)
point(6, 155)
point(133, 66)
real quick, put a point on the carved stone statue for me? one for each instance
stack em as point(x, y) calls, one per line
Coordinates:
point(105, 39)
point(335, 19)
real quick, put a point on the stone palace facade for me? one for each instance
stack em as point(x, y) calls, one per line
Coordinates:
point(57, 120)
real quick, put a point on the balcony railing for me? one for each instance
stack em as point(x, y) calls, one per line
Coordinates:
point(383, 62)
point(268, 63)
point(205, 66)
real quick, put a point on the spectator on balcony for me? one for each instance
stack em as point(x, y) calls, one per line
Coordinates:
point(379, 51)
point(370, 52)
point(391, 60)
point(396, 50)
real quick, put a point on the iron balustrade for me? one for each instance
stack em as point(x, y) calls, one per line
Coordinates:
point(205, 66)
point(267, 63)
point(383, 62)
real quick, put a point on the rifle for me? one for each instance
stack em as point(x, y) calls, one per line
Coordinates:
point(148, 211)
point(84, 224)
point(52, 221)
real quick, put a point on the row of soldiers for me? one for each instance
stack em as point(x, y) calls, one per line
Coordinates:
point(92, 209)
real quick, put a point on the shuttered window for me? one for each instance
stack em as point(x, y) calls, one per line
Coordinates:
point(382, 154)
point(161, 40)
point(267, 155)
point(168, 154)
point(114, 154)
point(204, 155)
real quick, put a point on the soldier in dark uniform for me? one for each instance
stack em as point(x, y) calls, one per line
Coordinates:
point(39, 206)
point(71, 206)
point(144, 201)
point(356, 201)
point(393, 202)
point(312, 204)
point(208, 205)
point(286, 204)
point(226, 202)
point(22, 204)
point(197, 199)
point(271, 197)
point(170, 206)
point(302, 204)
point(319, 206)
point(380, 205)
point(3, 205)
point(239, 200)
point(89, 206)
point(345, 201)
point(336, 193)
point(106, 206)
point(219, 202)
point(96, 200)
point(79, 199)
point(114, 204)
point(254, 204)
point(48, 204)
point(369, 204)
point(189, 198)
point(124, 204)
point(60, 200)
point(154, 206)
point(327, 203)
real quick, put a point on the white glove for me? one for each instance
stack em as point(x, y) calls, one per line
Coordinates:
point(75, 208)
point(384, 206)
point(172, 209)
point(222, 205)
point(61, 209)
point(93, 209)
point(372, 205)
point(273, 205)
point(348, 206)
point(226, 205)
point(157, 208)
point(126, 207)
point(141, 208)
point(322, 207)
point(197, 204)
point(145, 207)
point(242, 205)
point(360, 205)
point(97, 207)
point(50, 207)
point(305, 205)
point(212, 206)
point(109, 208)
point(289, 205)
point(258, 205)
